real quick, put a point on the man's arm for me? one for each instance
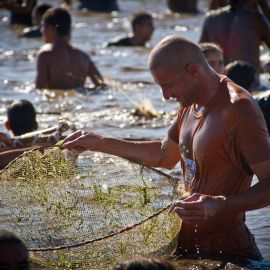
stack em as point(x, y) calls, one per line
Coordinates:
point(42, 71)
point(256, 197)
point(152, 153)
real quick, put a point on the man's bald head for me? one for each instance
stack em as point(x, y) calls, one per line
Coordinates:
point(174, 53)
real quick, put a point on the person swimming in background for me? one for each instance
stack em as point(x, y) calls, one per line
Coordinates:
point(242, 73)
point(146, 263)
point(59, 64)
point(214, 55)
point(21, 10)
point(142, 28)
point(35, 31)
point(183, 6)
point(21, 117)
point(13, 252)
point(239, 32)
point(22, 125)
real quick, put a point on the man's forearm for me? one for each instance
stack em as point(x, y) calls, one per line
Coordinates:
point(258, 196)
point(148, 153)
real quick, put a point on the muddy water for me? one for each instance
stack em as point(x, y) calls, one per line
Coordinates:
point(111, 112)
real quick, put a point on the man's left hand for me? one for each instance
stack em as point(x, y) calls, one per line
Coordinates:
point(197, 208)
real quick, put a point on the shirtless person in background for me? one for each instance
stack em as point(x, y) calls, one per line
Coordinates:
point(238, 31)
point(59, 65)
point(142, 31)
point(257, 5)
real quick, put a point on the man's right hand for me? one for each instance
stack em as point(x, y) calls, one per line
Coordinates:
point(81, 141)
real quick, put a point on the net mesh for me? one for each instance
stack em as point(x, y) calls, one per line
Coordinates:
point(88, 211)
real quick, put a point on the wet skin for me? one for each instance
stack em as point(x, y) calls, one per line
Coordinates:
point(61, 66)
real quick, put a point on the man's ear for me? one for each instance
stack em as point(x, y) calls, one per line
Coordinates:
point(192, 69)
point(7, 125)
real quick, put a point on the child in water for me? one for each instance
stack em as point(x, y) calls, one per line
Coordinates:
point(214, 55)
point(22, 125)
point(142, 31)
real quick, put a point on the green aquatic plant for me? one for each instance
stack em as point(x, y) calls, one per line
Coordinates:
point(60, 144)
point(82, 216)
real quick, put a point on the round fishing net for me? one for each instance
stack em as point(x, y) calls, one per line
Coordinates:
point(88, 211)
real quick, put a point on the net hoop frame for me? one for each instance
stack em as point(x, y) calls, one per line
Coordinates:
point(126, 229)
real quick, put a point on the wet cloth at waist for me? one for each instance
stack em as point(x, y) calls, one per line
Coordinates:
point(235, 242)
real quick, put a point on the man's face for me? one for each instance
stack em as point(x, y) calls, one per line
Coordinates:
point(176, 86)
point(146, 29)
point(13, 256)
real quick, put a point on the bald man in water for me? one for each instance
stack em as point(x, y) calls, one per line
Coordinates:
point(218, 146)
point(238, 31)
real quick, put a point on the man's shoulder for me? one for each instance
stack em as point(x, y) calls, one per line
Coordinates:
point(45, 52)
point(241, 103)
point(79, 52)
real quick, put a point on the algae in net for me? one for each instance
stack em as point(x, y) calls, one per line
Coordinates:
point(87, 211)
